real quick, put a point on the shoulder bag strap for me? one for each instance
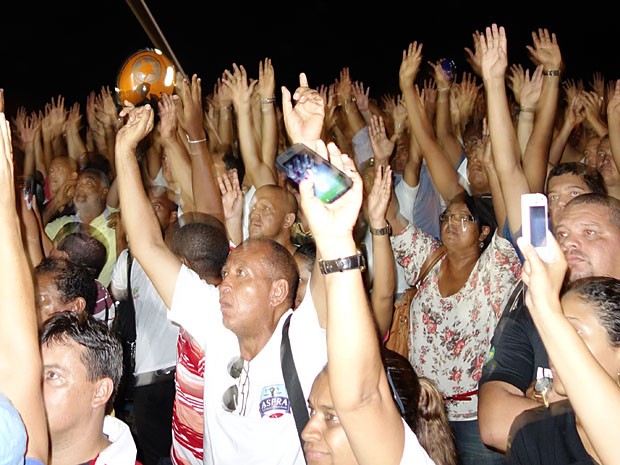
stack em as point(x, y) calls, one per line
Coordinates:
point(429, 263)
point(291, 380)
point(129, 260)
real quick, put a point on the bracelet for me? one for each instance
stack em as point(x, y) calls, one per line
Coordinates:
point(384, 231)
point(527, 109)
point(267, 100)
point(342, 264)
point(551, 72)
point(443, 89)
point(195, 141)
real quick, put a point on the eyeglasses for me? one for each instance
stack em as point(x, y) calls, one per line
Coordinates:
point(230, 399)
point(457, 217)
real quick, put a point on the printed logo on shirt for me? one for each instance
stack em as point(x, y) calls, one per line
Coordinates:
point(274, 401)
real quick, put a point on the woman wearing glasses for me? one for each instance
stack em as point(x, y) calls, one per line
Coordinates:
point(457, 307)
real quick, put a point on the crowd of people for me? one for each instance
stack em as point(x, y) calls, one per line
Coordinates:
point(261, 311)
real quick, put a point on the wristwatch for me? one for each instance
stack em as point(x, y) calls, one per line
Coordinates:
point(343, 264)
point(385, 230)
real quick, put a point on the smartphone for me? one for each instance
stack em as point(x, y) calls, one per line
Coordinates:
point(449, 68)
point(330, 183)
point(535, 222)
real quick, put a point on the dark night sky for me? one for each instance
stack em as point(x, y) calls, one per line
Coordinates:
point(70, 48)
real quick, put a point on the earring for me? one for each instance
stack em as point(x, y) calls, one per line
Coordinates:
point(481, 245)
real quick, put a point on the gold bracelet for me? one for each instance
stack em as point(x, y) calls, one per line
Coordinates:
point(527, 109)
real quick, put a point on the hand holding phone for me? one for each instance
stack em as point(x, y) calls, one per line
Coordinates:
point(535, 223)
point(330, 183)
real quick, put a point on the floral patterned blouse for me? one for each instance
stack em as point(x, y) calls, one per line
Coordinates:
point(450, 336)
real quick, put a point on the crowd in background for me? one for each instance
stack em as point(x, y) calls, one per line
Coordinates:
point(174, 202)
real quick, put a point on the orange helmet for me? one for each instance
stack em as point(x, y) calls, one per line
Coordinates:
point(145, 76)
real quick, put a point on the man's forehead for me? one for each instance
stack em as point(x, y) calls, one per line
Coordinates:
point(584, 213)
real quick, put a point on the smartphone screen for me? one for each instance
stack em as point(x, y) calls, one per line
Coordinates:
point(538, 225)
point(329, 182)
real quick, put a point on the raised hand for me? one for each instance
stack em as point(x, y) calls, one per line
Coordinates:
point(545, 50)
point(613, 106)
point(494, 53)
point(189, 109)
point(598, 84)
point(138, 125)
point(410, 65)
point(381, 145)
point(473, 57)
point(304, 121)
point(266, 85)
point(530, 92)
point(240, 89)
point(232, 196)
point(380, 195)
point(361, 96)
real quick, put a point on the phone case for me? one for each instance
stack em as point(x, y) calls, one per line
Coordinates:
point(330, 183)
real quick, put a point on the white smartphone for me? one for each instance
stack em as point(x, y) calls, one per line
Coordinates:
point(535, 223)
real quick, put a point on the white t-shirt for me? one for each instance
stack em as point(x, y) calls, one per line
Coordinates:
point(262, 430)
point(156, 336)
point(413, 452)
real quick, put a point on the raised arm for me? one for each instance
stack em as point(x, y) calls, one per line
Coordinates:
point(613, 120)
point(505, 149)
point(546, 52)
point(176, 154)
point(266, 88)
point(359, 389)
point(205, 191)
point(256, 169)
point(141, 225)
point(443, 173)
point(384, 281)
point(20, 360)
point(592, 392)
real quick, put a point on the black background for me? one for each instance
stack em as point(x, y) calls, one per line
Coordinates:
point(70, 48)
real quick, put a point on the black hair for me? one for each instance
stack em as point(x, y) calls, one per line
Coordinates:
point(422, 407)
point(481, 208)
point(71, 280)
point(204, 246)
point(591, 178)
point(602, 294)
point(84, 250)
point(102, 352)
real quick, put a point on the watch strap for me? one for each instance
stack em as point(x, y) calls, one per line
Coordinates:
point(384, 231)
point(342, 264)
